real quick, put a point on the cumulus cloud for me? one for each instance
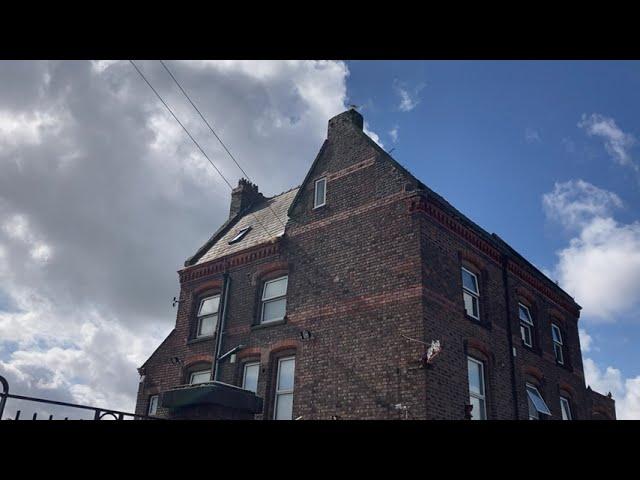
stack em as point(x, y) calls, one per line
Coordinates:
point(393, 133)
point(102, 198)
point(575, 203)
point(601, 265)
point(409, 98)
point(617, 143)
point(585, 340)
point(626, 392)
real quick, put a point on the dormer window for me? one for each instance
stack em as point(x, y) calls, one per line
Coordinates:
point(240, 235)
point(208, 316)
point(320, 194)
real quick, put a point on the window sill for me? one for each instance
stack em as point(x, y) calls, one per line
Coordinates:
point(531, 349)
point(480, 323)
point(201, 339)
point(274, 323)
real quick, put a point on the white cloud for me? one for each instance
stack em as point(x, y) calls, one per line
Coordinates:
point(409, 98)
point(626, 392)
point(531, 135)
point(24, 127)
point(617, 143)
point(100, 185)
point(393, 133)
point(585, 340)
point(601, 265)
point(576, 202)
point(374, 136)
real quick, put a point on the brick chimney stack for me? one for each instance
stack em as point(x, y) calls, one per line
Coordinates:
point(245, 194)
point(350, 118)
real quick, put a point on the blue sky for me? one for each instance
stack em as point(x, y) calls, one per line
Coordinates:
point(494, 137)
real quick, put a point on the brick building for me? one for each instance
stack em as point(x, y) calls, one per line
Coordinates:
point(321, 302)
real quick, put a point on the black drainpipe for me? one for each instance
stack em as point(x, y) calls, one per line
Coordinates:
point(221, 324)
point(505, 280)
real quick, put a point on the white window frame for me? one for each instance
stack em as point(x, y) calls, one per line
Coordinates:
point(315, 193)
point(475, 295)
point(153, 409)
point(535, 416)
point(200, 318)
point(279, 392)
point(199, 372)
point(526, 324)
point(244, 374)
point(564, 401)
point(264, 301)
point(557, 345)
point(481, 397)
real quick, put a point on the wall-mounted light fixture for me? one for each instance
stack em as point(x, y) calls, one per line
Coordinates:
point(175, 361)
point(305, 335)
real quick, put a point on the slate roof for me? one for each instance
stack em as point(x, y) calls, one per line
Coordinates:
point(266, 219)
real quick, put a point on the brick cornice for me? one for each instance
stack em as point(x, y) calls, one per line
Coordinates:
point(541, 287)
point(221, 265)
point(428, 206)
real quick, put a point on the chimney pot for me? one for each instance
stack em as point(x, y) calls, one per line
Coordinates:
point(245, 194)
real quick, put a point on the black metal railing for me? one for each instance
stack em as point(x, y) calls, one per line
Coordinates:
point(98, 413)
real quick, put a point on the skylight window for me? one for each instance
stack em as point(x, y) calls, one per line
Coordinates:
point(240, 235)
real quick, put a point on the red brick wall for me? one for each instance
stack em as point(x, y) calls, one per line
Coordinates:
point(379, 261)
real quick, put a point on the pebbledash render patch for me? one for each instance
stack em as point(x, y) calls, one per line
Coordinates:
point(363, 294)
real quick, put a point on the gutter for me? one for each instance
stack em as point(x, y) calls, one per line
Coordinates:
point(221, 326)
point(505, 281)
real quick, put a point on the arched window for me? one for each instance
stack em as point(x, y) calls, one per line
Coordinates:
point(198, 373)
point(207, 316)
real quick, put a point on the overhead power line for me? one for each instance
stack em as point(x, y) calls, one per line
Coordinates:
point(216, 135)
point(192, 139)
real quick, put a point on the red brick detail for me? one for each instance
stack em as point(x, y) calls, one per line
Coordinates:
point(361, 303)
point(208, 285)
point(268, 269)
point(564, 386)
point(197, 359)
point(525, 295)
point(249, 352)
point(534, 372)
point(442, 300)
point(475, 344)
point(353, 168)
point(471, 258)
point(523, 274)
point(280, 345)
point(220, 265)
point(602, 411)
point(344, 215)
point(428, 207)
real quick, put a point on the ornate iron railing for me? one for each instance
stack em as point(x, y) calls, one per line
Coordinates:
point(98, 412)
